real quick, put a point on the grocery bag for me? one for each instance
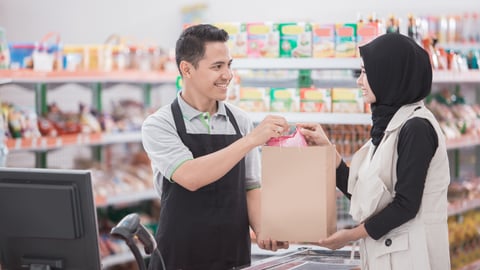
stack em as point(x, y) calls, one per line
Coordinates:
point(298, 193)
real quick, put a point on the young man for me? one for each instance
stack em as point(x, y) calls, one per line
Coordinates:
point(206, 162)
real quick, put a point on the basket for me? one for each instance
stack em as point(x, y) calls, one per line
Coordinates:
point(40, 56)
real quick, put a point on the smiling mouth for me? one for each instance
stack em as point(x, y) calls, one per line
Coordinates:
point(222, 85)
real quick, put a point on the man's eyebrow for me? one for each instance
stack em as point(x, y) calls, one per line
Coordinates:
point(219, 63)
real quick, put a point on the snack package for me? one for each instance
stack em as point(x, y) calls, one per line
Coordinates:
point(323, 36)
point(293, 140)
point(253, 99)
point(237, 41)
point(315, 100)
point(284, 100)
point(345, 42)
point(295, 39)
point(263, 40)
point(347, 100)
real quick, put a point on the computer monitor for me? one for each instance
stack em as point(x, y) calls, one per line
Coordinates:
point(47, 220)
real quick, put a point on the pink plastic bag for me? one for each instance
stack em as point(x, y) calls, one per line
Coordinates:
point(293, 140)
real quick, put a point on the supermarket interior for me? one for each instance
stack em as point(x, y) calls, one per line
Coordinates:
point(79, 78)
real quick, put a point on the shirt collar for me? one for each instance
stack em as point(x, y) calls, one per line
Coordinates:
point(190, 113)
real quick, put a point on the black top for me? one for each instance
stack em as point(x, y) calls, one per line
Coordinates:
point(417, 144)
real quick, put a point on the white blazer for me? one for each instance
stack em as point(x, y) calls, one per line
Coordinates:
point(421, 243)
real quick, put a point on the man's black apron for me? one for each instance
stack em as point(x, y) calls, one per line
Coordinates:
point(206, 229)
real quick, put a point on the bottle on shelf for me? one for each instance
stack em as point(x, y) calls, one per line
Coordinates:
point(4, 52)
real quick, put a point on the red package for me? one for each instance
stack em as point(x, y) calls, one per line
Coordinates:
point(293, 140)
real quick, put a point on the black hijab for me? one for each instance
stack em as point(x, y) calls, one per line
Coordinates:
point(399, 73)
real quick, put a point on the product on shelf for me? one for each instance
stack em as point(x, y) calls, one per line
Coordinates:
point(464, 239)
point(347, 100)
point(40, 56)
point(237, 38)
point(284, 100)
point(366, 31)
point(4, 51)
point(323, 38)
point(345, 43)
point(253, 99)
point(315, 100)
point(295, 39)
point(263, 40)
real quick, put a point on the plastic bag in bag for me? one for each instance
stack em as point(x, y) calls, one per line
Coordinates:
point(293, 140)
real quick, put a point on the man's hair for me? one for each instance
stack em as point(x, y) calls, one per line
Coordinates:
point(190, 45)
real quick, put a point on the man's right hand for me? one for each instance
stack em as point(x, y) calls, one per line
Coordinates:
point(271, 127)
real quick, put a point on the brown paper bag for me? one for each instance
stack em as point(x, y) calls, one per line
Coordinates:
point(298, 193)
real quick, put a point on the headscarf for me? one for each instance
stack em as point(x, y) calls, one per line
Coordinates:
point(399, 73)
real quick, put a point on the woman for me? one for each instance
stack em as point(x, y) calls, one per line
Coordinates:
point(398, 180)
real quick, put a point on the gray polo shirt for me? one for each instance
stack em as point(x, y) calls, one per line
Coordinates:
point(167, 151)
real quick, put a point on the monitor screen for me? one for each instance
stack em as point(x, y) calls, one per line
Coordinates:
point(47, 220)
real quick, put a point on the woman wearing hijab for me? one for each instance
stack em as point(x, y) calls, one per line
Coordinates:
point(397, 182)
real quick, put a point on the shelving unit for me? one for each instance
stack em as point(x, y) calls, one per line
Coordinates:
point(296, 63)
point(30, 76)
point(324, 118)
point(97, 79)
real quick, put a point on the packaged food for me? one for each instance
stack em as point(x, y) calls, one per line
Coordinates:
point(347, 100)
point(284, 100)
point(315, 100)
point(295, 39)
point(263, 40)
point(323, 36)
point(237, 41)
point(345, 40)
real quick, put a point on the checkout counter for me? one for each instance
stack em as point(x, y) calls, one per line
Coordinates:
point(305, 257)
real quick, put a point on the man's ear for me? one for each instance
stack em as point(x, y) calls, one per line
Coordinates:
point(185, 68)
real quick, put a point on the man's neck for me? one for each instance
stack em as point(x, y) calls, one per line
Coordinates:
point(201, 104)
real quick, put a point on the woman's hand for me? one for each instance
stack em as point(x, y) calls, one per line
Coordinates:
point(337, 240)
point(314, 134)
point(343, 237)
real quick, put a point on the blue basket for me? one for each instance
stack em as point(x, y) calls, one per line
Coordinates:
point(21, 53)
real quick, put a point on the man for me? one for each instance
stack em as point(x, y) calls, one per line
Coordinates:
point(206, 162)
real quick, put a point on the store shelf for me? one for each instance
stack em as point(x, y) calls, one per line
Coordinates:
point(127, 198)
point(464, 207)
point(439, 76)
point(30, 76)
point(473, 266)
point(4, 81)
point(50, 143)
point(448, 76)
point(322, 118)
point(460, 46)
point(296, 63)
point(463, 142)
point(293, 82)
